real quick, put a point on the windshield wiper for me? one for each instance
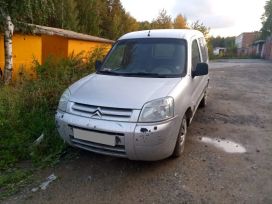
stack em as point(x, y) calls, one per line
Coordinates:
point(136, 74)
point(144, 74)
point(108, 72)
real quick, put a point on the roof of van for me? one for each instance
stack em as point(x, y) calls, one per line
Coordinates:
point(163, 33)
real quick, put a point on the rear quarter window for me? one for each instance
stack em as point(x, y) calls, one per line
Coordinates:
point(195, 55)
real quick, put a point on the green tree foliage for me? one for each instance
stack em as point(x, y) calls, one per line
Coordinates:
point(116, 14)
point(104, 18)
point(226, 42)
point(90, 16)
point(145, 25)
point(39, 12)
point(267, 20)
point(180, 22)
point(29, 11)
point(197, 25)
point(130, 23)
point(55, 13)
point(65, 15)
point(163, 21)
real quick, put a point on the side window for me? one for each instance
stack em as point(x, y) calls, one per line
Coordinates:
point(195, 55)
point(204, 49)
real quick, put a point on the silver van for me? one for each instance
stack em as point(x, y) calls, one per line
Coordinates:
point(142, 97)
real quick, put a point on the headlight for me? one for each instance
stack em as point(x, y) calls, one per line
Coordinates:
point(157, 110)
point(64, 100)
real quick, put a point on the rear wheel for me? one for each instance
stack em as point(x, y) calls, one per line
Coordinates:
point(179, 148)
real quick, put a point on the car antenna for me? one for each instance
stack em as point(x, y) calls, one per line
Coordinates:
point(149, 33)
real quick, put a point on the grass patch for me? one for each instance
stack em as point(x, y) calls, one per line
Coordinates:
point(27, 111)
point(218, 57)
point(11, 181)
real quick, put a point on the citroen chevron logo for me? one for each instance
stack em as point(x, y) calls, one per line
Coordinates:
point(97, 113)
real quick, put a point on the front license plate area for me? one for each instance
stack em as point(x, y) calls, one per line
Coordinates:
point(95, 137)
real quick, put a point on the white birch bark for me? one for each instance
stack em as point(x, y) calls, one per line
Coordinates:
point(8, 33)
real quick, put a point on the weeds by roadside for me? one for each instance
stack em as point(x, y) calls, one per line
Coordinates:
point(12, 180)
point(27, 110)
point(214, 57)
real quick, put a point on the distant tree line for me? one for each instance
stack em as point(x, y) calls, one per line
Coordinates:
point(226, 42)
point(223, 42)
point(104, 18)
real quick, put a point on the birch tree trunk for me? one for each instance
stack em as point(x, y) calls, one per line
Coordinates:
point(8, 33)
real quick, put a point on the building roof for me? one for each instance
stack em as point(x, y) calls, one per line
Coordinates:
point(259, 42)
point(38, 29)
point(164, 33)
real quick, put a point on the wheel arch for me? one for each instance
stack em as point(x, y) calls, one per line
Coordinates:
point(189, 115)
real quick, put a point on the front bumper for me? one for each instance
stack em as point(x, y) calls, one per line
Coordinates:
point(135, 141)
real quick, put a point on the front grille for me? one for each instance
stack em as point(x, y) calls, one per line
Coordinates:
point(105, 113)
point(118, 150)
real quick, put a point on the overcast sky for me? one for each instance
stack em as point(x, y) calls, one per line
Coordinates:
point(224, 17)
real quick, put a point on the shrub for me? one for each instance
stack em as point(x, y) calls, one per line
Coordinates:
point(28, 106)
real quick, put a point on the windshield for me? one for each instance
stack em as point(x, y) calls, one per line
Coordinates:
point(147, 57)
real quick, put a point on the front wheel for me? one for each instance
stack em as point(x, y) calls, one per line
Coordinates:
point(179, 148)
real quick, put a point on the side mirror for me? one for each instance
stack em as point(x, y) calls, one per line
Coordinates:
point(201, 69)
point(98, 65)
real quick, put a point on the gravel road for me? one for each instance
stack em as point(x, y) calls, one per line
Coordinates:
point(227, 158)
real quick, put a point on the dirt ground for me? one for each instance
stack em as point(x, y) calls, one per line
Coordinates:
point(227, 158)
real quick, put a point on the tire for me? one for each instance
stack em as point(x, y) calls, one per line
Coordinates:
point(179, 148)
point(203, 102)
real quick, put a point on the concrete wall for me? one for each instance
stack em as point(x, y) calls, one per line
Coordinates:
point(26, 48)
point(76, 47)
point(267, 49)
point(55, 47)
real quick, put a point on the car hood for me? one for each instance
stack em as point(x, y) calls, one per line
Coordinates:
point(119, 91)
